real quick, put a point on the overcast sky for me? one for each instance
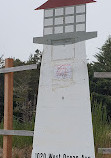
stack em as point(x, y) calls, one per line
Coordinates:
point(19, 23)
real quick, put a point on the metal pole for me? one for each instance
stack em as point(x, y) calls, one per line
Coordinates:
point(8, 109)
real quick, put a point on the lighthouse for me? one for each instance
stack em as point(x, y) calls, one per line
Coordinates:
point(63, 124)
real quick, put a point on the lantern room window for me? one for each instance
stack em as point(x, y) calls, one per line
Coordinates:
point(80, 27)
point(48, 12)
point(69, 10)
point(69, 28)
point(80, 18)
point(59, 11)
point(48, 31)
point(80, 8)
point(69, 19)
point(64, 20)
point(58, 29)
point(48, 22)
point(59, 21)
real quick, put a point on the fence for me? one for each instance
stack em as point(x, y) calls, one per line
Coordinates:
point(8, 131)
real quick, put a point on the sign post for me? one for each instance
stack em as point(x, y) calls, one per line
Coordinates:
point(63, 125)
point(8, 109)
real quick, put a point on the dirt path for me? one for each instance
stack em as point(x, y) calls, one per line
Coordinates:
point(19, 153)
point(1, 152)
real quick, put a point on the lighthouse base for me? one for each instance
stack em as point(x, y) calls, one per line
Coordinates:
point(63, 125)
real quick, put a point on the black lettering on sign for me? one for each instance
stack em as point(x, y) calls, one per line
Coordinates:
point(64, 156)
point(85, 156)
point(54, 156)
point(40, 155)
point(67, 156)
point(50, 155)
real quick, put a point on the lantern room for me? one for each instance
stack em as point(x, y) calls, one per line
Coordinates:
point(64, 20)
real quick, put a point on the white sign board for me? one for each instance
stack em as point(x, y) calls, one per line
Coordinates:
point(63, 71)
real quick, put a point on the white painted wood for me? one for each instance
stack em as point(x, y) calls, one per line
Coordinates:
point(104, 151)
point(69, 19)
point(18, 68)
point(66, 38)
point(59, 11)
point(80, 27)
point(48, 12)
point(80, 9)
point(102, 74)
point(48, 22)
point(62, 52)
point(69, 28)
point(80, 18)
point(59, 21)
point(48, 30)
point(63, 122)
point(58, 29)
point(16, 132)
point(69, 10)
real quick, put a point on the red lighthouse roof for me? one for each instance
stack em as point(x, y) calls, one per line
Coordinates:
point(61, 3)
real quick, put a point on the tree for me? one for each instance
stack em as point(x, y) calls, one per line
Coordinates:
point(1, 89)
point(104, 57)
point(101, 88)
point(1, 61)
point(26, 88)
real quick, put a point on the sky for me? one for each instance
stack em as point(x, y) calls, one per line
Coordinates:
point(19, 23)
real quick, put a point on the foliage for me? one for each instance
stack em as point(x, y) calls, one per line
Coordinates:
point(25, 89)
point(104, 57)
point(101, 97)
point(1, 89)
point(1, 61)
point(101, 88)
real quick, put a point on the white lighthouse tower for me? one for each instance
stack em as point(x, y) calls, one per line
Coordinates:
point(63, 125)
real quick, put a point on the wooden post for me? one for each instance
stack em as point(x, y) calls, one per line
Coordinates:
point(8, 109)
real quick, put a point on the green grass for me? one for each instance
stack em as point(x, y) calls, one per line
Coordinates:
point(20, 141)
point(101, 127)
point(1, 137)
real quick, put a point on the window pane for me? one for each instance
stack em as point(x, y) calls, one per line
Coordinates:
point(58, 11)
point(49, 13)
point(69, 28)
point(69, 19)
point(80, 18)
point(58, 30)
point(69, 10)
point(48, 31)
point(80, 27)
point(80, 9)
point(58, 21)
point(48, 22)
